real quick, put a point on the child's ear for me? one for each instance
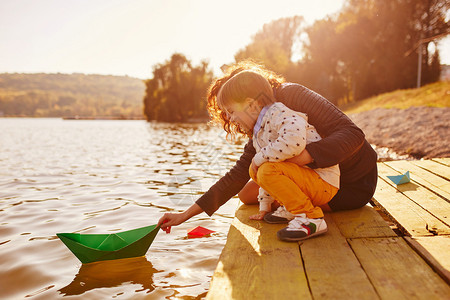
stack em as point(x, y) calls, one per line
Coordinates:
point(252, 103)
point(249, 100)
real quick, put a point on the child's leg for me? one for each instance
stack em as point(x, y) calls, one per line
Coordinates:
point(300, 190)
point(249, 194)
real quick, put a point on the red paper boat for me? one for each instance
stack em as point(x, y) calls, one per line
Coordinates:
point(199, 232)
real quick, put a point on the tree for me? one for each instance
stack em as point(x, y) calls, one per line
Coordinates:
point(429, 21)
point(273, 44)
point(177, 91)
point(321, 68)
point(365, 45)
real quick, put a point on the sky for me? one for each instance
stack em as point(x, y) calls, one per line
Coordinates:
point(129, 37)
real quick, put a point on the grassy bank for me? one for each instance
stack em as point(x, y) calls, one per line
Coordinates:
point(433, 95)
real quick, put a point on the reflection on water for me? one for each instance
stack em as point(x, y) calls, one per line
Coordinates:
point(101, 177)
point(107, 274)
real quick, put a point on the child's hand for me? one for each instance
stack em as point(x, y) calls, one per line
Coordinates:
point(259, 216)
point(254, 168)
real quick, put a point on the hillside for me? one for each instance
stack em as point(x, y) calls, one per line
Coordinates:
point(415, 122)
point(432, 95)
point(69, 95)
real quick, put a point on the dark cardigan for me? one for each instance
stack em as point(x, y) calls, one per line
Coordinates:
point(342, 143)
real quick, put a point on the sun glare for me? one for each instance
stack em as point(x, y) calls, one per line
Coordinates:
point(129, 37)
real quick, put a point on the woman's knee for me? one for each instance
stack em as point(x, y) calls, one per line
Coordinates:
point(249, 193)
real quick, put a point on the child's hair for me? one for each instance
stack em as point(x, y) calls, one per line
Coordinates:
point(242, 80)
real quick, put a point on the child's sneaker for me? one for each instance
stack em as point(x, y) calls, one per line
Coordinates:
point(280, 216)
point(301, 228)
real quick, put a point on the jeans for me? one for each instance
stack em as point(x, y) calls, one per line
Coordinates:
point(355, 194)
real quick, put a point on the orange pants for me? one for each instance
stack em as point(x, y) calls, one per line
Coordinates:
point(299, 190)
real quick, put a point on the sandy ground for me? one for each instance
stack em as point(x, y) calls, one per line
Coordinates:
point(421, 132)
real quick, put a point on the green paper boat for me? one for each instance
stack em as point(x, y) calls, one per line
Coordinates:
point(96, 247)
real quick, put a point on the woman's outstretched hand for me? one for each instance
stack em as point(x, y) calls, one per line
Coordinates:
point(172, 219)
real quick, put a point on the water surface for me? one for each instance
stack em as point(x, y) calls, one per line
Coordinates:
point(101, 177)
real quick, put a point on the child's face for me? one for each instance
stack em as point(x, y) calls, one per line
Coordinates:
point(244, 114)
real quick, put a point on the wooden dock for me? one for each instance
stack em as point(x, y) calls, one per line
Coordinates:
point(401, 253)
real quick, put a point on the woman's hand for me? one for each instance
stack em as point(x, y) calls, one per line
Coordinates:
point(172, 219)
point(302, 159)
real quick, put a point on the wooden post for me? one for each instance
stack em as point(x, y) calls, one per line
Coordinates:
point(419, 65)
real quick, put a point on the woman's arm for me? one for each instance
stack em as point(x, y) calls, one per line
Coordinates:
point(230, 184)
point(225, 188)
point(341, 138)
point(302, 159)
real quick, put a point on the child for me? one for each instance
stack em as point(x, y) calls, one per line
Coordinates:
point(279, 133)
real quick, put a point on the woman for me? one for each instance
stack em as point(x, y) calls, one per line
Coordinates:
point(342, 143)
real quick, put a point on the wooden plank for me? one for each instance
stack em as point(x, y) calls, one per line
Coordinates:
point(426, 199)
point(433, 167)
point(444, 161)
point(254, 264)
point(362, 222)
point(397, 271)
point(436, 251)
point(332, 269)
point(410, 217)
point(420, 176)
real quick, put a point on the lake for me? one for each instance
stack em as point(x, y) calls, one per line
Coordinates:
point(104, 177)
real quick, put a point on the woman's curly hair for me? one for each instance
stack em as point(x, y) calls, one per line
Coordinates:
point(217, 114)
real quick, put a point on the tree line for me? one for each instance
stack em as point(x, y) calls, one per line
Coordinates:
point(70, 95)
point(369, 47)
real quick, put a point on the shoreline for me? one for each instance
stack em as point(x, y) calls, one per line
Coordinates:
point(420, 132)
